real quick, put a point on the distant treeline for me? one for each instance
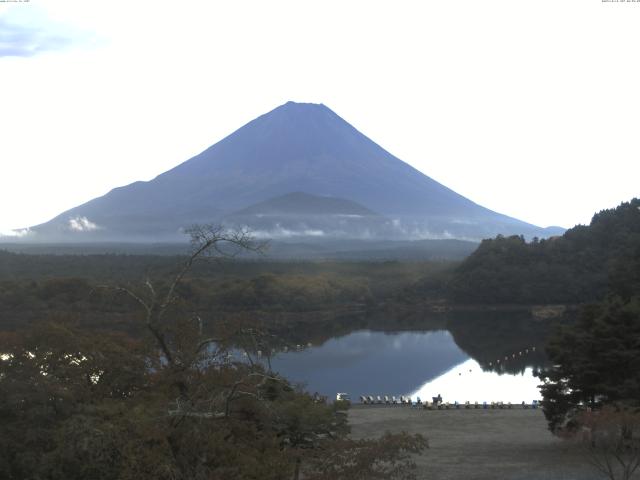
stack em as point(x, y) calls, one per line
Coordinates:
point(42, 287)
point(325, 249)
point(580, 266)
point(384, 275)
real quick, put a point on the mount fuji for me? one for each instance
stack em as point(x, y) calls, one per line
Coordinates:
point(298, 170)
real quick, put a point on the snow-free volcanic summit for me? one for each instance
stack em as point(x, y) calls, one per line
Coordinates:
point(298, 170)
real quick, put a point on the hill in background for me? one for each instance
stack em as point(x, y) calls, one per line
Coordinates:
point(579, 266)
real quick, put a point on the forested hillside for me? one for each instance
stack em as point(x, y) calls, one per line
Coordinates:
point(43, 287)
point(577, 267)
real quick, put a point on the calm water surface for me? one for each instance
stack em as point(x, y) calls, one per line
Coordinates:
point(414, 363)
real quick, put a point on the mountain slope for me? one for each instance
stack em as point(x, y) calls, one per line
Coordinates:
point(300, 214)
point(294, 148)
point(300, 203)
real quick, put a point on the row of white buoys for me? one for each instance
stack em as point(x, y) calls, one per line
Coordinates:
point(484, 405)
point(513, 356)
point(285, 349)
point(439, 404)
point(298, 348)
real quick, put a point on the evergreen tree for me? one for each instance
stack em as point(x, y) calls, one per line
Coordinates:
point(595, 362)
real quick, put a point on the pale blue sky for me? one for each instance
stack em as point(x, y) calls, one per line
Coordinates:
point(528, 108)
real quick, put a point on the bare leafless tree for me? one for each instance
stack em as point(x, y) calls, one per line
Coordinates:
point(611, 439)
point(207, 241)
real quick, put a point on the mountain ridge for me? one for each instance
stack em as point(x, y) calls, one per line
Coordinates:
point(297, 147)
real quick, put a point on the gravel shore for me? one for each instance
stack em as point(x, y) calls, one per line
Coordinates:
point(479, 444)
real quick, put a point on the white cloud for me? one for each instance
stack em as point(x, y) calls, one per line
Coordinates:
point(26, 31)
point(16, 233)
point(281, 232)
point(82, 224)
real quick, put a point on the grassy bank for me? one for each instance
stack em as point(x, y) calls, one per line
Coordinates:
point(479, 444)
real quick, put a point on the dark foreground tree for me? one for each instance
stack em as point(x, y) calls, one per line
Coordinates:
point(53, 379)
point(177, 405)
point(595, 362)
point(592, 392)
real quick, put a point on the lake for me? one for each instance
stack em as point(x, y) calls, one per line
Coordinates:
point(476, 358)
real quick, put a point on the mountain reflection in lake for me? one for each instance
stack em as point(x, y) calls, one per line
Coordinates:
point(468, 382)
point(400, 363)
